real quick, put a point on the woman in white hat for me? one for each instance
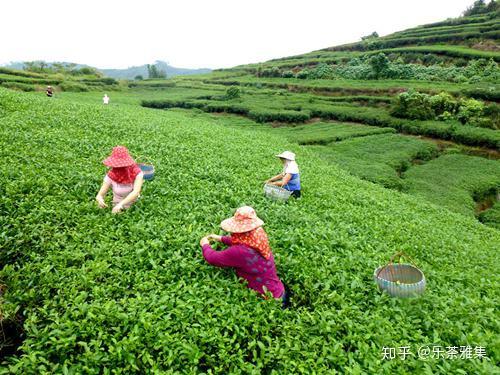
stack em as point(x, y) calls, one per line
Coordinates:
point(248, 253)
point(289, 179)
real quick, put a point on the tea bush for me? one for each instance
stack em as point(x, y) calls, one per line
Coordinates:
point(132, 294)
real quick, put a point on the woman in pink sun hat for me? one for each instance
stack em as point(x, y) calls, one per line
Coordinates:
point(248, 253)
point(125, 178)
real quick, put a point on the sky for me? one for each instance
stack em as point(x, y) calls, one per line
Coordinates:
point(199, 34)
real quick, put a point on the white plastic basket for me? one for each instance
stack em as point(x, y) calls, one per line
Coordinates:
point(276, 192)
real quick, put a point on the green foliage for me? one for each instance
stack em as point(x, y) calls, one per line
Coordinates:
point(18, 86)
point(273, 72)
point(278, 115)
point(413, 105)
point(132, 294)
point(303, 74)
point(378, 158)
point(60, 68)
point(479, 7)
point(491, 216)
point(470, 110)
point(324, 133)
point(138, 77)
point(453, 181)
point(379, 64)
point(371, 36)
point(420, 106)
point(73, 86)
point(322, 71)
point(232, 93)
point(155, 71)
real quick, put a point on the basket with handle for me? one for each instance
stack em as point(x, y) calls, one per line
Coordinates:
point(402, 280)
point(147, 168)
point(276, 192)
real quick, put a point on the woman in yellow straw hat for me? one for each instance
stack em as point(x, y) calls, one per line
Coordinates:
point(289, 179)
point(125, 178)
point(248, 252)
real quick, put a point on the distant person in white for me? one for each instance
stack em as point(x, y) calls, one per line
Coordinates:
point(105, 99)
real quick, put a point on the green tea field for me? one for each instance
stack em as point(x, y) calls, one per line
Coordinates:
point(398, 142)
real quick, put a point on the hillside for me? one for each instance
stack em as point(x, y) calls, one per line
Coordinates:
point(132, 292)
point(22, 80)
point(435, 85)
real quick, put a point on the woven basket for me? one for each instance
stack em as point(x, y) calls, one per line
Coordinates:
point(276, 192)
point(400, 280)
point(147, 169)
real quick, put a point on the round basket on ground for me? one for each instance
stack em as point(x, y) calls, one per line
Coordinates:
point(400, 280)
point(147, 169)
point(276, 192)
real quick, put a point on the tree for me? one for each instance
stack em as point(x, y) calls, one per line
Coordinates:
point(379, 64)
point(493, 6)
point(371, 36)
point(478, 7)
point(138, 77)
point(155, 72)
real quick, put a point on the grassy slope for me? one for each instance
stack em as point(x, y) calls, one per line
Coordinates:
point(454, 181)
point(132, 292)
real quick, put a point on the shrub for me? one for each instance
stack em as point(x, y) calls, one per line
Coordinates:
point(232, 92)
point(18, 86)
point(281, 116)
point(303, 74)
point(379, 64)
point(272, 72)
point(73, 86)
point(470, 110)
point(228, 108)
point(474, 136)
point(443, 102)
point(413, 105)
point(493, 112)
point(322, 71)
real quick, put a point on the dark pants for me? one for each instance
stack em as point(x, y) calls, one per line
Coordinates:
point(296, 193)
point(285, 298)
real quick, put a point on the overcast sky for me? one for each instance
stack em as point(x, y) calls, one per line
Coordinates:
point(197, 34)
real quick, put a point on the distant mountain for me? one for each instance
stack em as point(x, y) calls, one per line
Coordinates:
point(133, 71)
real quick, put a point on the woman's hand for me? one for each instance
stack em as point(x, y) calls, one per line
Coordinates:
point(204, 241)
point(117, 209)
point(100, 202)
point(214, 237)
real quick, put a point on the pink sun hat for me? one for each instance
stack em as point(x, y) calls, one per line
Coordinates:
point(244, 220)
point(119, 158)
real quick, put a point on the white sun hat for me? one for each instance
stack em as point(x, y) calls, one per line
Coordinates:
point(288, 155)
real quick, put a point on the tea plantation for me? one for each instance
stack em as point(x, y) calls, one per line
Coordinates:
point(88, 292)
point(398, 140)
